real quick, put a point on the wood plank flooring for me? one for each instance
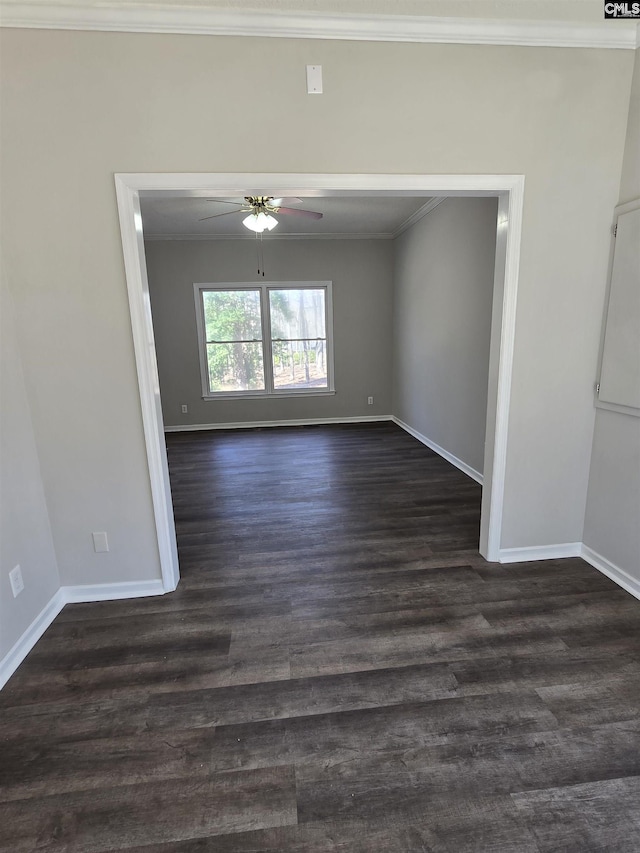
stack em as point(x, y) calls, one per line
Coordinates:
point(339, 670)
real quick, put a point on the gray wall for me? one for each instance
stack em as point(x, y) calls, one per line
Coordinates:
point(442, 325)
point(79, 106)
point(612, 521)
point(361, 272)
point(630, 180)
point(24, 521)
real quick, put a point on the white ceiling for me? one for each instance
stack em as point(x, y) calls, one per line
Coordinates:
point(367, 217)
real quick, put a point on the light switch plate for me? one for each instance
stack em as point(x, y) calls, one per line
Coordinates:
point(314, 79)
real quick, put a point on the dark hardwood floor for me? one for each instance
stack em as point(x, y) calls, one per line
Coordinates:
point(339, 670)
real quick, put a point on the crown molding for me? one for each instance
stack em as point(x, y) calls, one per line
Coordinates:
point(151, 238)
point(419, 214)
point(165, 18)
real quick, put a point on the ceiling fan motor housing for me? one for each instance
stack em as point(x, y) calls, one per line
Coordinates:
point(260, 203)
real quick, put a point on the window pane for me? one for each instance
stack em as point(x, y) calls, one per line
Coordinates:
point(299, 364)
point(235, 367)
point(232, 315)
point(297, 314)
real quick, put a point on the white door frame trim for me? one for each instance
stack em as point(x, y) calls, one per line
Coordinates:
point(149, 386)
point(508, 188)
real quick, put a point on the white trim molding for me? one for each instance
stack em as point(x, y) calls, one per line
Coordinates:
point(503, 336)
point(83, 593)
point(540, 552)
point(148, 381)
point(318, 184)
point(418, 215)
point(71, 595)
point(466, 469)
point(302, 422)
point(23, 645)
point(379, 235)
point(617, 575)
point(574, 549)
point(138, 16)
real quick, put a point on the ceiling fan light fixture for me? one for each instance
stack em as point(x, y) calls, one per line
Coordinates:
point(260, 222)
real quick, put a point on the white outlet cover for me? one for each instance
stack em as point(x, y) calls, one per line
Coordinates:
point(100, 543)
point(17, 583)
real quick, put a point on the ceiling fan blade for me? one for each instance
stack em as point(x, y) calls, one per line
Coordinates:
point(292, 211)
point(222, 201)
point(278, 202)
point(215, 215)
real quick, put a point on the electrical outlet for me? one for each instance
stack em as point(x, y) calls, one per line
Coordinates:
point(184, 408)
point(369, 401)
point(100, 543)
point(17, 584)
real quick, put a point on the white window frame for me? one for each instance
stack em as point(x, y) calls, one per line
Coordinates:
point(264, 287)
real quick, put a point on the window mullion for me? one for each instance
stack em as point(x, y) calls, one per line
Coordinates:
point(267, 355)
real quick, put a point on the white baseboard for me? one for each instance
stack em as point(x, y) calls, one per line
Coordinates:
point(618, 575)
point(466, 469)
point(111, 591)
point(540, 552)
point(70, 595)
point(21, 648)
point(573, 549)
point(365, 419)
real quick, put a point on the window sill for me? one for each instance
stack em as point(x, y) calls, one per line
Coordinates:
point(248, 395)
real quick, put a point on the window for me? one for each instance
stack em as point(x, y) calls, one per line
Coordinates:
point(265, 339)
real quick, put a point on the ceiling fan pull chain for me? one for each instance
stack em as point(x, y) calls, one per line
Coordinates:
point(259, 255)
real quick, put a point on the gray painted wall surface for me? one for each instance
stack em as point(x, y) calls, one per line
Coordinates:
point(630, 180)
point(612, 521)
point(24, 521)
point(122, 102)
point(442, 325)
point(361, 272)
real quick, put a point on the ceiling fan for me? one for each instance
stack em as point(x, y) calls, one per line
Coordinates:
point(261, 209)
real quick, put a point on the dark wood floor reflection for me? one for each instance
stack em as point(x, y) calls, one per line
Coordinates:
point(339, 670)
